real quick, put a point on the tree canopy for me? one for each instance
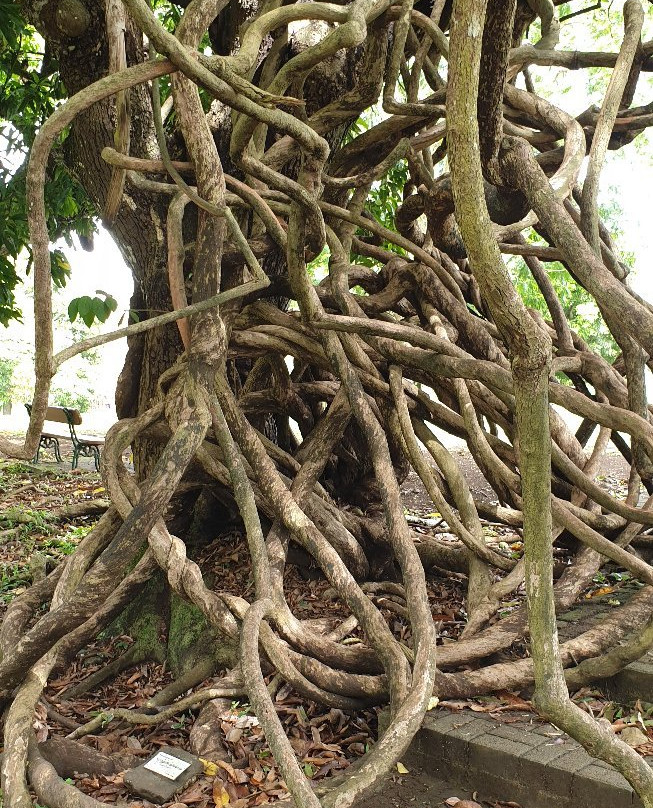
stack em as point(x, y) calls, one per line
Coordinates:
point(408, 150)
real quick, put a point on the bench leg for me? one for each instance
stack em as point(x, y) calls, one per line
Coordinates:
point(48, 443)
point(42, 445)
point(86, 450)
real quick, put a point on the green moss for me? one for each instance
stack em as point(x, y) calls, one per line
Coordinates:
point(191, 640)
point(157, 614)
point(186, 635)
point(145, 620)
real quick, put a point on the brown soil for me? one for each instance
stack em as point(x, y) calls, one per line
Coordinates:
point(417, 789)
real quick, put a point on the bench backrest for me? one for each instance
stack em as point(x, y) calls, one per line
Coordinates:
point(62, 415)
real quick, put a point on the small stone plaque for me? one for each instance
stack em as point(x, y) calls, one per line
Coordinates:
point(166, 765)
point(163, 775)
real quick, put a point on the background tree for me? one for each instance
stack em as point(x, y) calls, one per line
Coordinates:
point(6, 379)
point(220, 198)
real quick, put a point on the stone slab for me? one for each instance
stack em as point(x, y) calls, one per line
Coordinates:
point(158, 788)
point(575, 760)
point(521, 734)
point(585, 795)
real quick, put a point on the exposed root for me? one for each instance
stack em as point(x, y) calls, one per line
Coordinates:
point(158, 715)
point(357, 385)
point(198, 673)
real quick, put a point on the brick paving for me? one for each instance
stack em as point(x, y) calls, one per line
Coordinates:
point(524, 761)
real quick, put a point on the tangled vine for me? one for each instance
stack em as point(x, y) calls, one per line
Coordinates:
point(415, 326)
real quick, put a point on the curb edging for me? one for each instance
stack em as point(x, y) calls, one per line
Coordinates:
point(533, 764)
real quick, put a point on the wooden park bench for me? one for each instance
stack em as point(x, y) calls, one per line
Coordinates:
point(84, 445)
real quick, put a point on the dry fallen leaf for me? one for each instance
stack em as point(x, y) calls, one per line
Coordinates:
point(220, 794)
point(402, 769)
point(604, 590)
point(233, 774)
point(514, 700)
point(633, 736)
point(193, 794)
point(210, 768)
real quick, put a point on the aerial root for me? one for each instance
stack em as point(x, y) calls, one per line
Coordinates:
point(438, 340)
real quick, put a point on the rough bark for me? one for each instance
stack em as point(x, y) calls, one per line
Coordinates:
point(219, 217)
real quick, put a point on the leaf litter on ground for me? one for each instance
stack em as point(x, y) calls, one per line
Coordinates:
point(326, 741)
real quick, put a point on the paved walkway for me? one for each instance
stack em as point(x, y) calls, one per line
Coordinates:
point(525, 761)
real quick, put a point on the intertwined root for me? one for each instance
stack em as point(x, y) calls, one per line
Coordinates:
point(410, 330)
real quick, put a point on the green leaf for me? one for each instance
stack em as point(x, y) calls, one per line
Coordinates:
point(10, 24)
point(85, 309)
point(73, 309)
point(100, 309)
point(59, 268)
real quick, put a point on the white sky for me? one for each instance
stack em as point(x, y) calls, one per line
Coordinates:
point(104, 269)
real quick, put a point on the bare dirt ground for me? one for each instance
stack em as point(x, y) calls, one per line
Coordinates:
point(613, 475)
point(417, 789)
